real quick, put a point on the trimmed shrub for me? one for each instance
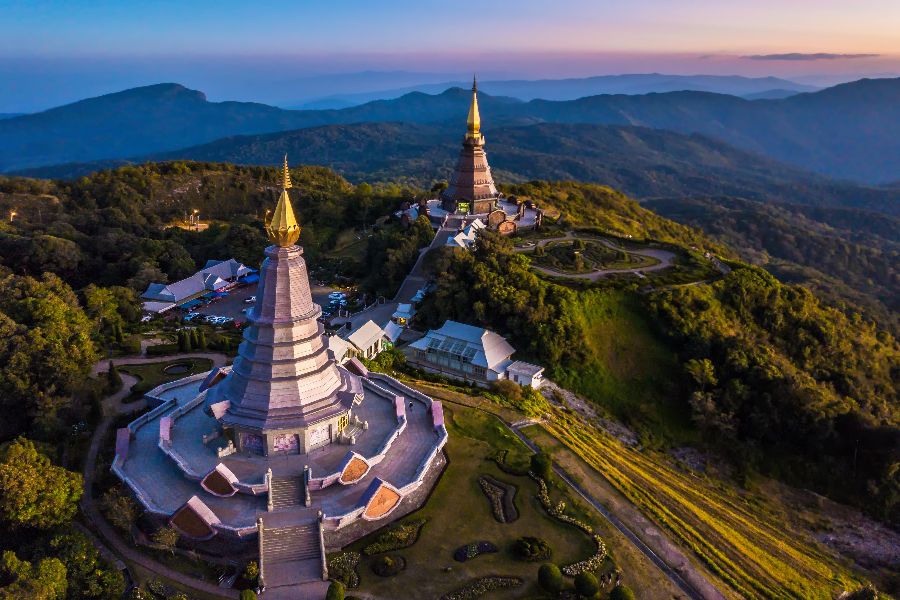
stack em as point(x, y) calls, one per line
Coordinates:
point(335, 591)
point(388, 566)
point(541, 465)
point(550, 578)
point(621, 592)
point(586, 585)
point(248, 595)
point(162, 349)
point(397, 537)
point(531, 549)
point(470, 551)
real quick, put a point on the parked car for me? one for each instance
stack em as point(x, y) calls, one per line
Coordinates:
point(146, 319)
point(250, 300)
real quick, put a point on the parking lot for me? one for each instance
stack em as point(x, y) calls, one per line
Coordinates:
point(234, 304)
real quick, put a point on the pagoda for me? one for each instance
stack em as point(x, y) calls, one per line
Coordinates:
point(285, 454)
point(471, 188)
point(284, 393)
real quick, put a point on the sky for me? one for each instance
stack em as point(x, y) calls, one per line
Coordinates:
point(283, 52)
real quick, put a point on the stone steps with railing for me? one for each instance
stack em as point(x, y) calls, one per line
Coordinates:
point(287, 492)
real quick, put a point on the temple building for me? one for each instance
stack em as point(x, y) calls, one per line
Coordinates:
point(471, 188)
point(472, 194)
point(286, 454)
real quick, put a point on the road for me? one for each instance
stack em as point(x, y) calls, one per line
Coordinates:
point(381, 313)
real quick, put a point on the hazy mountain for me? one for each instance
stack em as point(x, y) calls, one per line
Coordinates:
point(849, 131)
point(571, 89)
point(776, 94)
point(640, 161)
point(10, 115)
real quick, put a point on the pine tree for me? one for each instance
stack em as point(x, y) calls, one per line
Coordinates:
point(195, 339)
point(183, 343)
point(117, 331)
point(201, 340)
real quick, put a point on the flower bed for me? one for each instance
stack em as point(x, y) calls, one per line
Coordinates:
point(470, 551)
point(402, 535)
point(557, 512)
point(343, 568)
point(501, 496)
point(482, 586)
point(531, 549)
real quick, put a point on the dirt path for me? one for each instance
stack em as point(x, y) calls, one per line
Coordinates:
point(664, 257)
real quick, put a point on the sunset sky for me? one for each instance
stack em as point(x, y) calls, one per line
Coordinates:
point(53, 52)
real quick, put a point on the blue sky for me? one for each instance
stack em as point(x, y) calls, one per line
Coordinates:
point(53, 52)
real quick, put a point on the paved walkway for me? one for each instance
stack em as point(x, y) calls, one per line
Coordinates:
point(664, 257)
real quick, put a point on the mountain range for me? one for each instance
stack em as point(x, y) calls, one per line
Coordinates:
point(573, 88)
point(850, 131)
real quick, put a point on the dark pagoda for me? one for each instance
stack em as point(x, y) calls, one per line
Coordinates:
point(471, 188)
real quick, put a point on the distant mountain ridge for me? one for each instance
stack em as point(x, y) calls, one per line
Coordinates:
point(848, 131)
point(573, 88)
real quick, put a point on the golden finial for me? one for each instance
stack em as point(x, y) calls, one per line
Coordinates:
point(474, 120)
point(286, 175)
point(283, 229)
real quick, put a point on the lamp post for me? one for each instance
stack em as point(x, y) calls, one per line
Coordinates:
point(12, 215)
point(197, 218)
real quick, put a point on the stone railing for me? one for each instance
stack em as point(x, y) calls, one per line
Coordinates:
point(154, 394)
point(407, 391)
point(322, 556)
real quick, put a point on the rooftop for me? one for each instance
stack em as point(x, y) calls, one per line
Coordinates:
point(482, 347)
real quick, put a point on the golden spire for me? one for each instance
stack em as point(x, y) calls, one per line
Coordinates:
point(286, 175)
point(474, 120)
point(283, 229)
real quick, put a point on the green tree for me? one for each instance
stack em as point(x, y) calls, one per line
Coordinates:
point(550, 578)
point(88, 575)
point(586, 585)
point(335, 591)
point(184, 343)
point(45, 349)
point(252, 571)
point(195, 339)
point(45, 581)
point(248, 595)
point(166, 538)
point(201, 340)
point(34, 492)
point(113, 379)
point(120, 509)
point(541, 465)
point(621, 592)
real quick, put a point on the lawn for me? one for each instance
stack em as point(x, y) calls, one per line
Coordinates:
point(629, 371)
point(459, 513)
point(153, 374)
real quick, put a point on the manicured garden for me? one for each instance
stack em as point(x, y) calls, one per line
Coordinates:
point(584, 256)
point(458, 545)
point(154, 374)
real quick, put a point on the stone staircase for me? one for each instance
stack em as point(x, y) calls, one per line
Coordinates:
point(285, 544)
point(287, 492)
